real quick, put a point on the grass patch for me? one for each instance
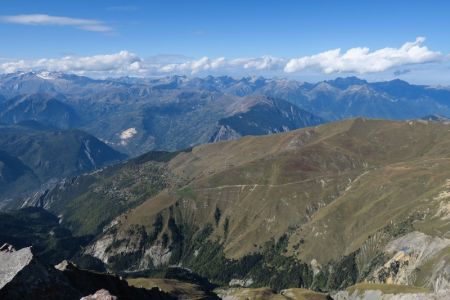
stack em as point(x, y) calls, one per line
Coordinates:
point(187, 192)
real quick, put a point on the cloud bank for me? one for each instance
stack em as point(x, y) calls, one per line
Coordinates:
point(360, 60)
point(40, 19)
point(122, 63)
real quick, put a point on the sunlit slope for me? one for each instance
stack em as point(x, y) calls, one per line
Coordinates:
point(329, 187)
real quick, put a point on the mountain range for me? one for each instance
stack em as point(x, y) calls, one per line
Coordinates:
point(136, 115)
point(323, 208)
point(221, 187)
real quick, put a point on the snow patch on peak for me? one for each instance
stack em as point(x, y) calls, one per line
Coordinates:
point(46, 75)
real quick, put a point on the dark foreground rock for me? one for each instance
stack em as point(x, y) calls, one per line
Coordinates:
point(23, 276)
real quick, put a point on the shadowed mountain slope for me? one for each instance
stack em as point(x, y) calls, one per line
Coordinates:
point(33, 154)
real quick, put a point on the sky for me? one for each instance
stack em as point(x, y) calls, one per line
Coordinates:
point(306, 40)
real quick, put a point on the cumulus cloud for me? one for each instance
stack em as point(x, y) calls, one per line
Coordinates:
point(41, 19)
point(122, 63)
point(205, 64)
point(362, 60)
point(259, 63)
point(355, 60)
point(194, 66)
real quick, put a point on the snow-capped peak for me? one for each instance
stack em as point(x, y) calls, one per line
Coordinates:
point(46, 75)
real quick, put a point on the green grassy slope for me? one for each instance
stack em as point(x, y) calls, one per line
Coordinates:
point(267, 186)
point(335, 194)
point(88, 203)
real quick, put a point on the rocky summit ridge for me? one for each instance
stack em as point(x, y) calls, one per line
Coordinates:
point(23, 276)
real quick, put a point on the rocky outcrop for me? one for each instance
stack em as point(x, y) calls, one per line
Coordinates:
point(224, 133)
point(23, 276)
point(129, 250)
point(412, 253)
point(100, 295)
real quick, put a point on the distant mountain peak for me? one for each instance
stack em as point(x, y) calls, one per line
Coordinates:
point(51, 75)
point(398, 82)
point(323, 87)
point(346, 82)
point(261, 115)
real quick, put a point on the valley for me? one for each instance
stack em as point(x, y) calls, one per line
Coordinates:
point(235, 150)
point(33, 156)
point(321, 208)
point(264, 200)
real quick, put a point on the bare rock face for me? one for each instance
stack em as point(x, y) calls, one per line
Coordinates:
point(23, 276)
point(224, 133)
point(100, 295)
point(12, 262)
point(131, 242)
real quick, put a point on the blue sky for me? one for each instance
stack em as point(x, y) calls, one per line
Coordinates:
point(171, 32)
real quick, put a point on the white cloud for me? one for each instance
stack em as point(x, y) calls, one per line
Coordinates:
point(362, 60)
point(355, 60)
point(194, 66)
point(41, 19)
point(259, 63)
point(122, 63)
point(205, 64)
